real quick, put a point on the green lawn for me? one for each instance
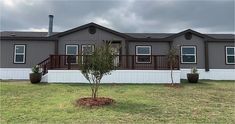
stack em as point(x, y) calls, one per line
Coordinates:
point(206, 102)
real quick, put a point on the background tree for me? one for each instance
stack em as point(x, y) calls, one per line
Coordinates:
point(96, 65)
point(173, 60)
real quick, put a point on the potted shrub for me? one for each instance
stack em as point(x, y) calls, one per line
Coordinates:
point(36, 75)
point(193, 76)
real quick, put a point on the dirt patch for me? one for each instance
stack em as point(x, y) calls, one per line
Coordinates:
point(90, 102)
point(174, 85)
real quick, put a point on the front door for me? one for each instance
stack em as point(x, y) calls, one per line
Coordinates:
point(116, 51)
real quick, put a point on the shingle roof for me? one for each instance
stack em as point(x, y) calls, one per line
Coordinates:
point(222, 36)
point(134, 35)
point(164, 35)
point(149, 35)
point(24, 34)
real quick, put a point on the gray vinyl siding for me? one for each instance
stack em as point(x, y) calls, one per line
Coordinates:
point(84, 37)
point(36, 51)
point(195, 41)
point(217, 57)
point(158, 48)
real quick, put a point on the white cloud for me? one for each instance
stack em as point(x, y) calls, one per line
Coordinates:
point(124, 16)
point(8, 3)
point(103, 22)
point(36, 29)
point(18, 3)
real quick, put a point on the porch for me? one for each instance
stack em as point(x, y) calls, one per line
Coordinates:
point(122, 62)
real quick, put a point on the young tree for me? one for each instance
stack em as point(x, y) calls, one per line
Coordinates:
point(172, 59)
point(96, 65)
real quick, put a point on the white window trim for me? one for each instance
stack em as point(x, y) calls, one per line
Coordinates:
point(66, 47)
point(229, 55)
point(195, 54)
point(137, 54)
point(19, 54)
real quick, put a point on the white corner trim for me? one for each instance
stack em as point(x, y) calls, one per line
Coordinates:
point(14, 73)
point(213, 74)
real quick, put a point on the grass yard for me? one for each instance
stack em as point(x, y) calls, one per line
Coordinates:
point(206, 102)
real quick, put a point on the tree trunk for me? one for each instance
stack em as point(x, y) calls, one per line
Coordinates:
point(92, 92)
point(96, 88)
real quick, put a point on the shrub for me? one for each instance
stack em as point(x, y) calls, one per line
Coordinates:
point(194, 70)
point(36, 69)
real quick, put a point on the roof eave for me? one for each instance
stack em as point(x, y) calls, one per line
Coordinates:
point(88, 25)
point(221, 40)
point(29, 38)
point(149, 40)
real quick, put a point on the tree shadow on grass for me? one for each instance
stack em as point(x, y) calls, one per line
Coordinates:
point(135, 108)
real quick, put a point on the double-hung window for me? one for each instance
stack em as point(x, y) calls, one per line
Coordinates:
point(230, 55)
point(87, 50)
point(19, 54)
point(72, 51)
point(143, 54)
point(188, 54)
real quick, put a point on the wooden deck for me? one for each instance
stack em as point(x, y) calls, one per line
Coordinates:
point(122, 62)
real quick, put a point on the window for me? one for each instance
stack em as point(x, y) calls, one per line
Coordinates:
point(19, 54)
point(188, 54)
point(143, 54)
point(73, 51)
point(230, 55)
point(87, 50)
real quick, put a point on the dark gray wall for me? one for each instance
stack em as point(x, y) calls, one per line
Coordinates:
point(36, 51)
point(196, 41)
point(158, 48)
point(84, 37)
point(217, 56)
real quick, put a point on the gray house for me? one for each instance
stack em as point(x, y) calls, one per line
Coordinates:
point(138, 54)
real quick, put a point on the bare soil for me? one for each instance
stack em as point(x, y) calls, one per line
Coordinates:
point(174, 85)
point(90, 102)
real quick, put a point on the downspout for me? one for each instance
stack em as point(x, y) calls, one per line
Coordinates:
point(207, 68)
point(127, 52)
point(56, 47)
point(170, 44)
point(127, 47)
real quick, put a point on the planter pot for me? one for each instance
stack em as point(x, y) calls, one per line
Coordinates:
point(35, 77)
point(192, 78)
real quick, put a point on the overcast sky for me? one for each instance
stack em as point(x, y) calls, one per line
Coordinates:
point(206, 16)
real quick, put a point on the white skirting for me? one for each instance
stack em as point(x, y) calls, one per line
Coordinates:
point(213, 74)
point(14, 73)
point(118, 76)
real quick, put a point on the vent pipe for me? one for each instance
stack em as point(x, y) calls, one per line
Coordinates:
point(50, 28)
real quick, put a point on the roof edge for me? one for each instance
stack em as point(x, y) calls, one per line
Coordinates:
point(88, 25)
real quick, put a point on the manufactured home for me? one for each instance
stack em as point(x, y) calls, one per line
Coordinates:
point(141, 57)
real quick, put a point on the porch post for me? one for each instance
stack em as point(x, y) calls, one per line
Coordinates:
point(51, 61)
point(69, 62)
point(133, 61)
point(155, 62)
